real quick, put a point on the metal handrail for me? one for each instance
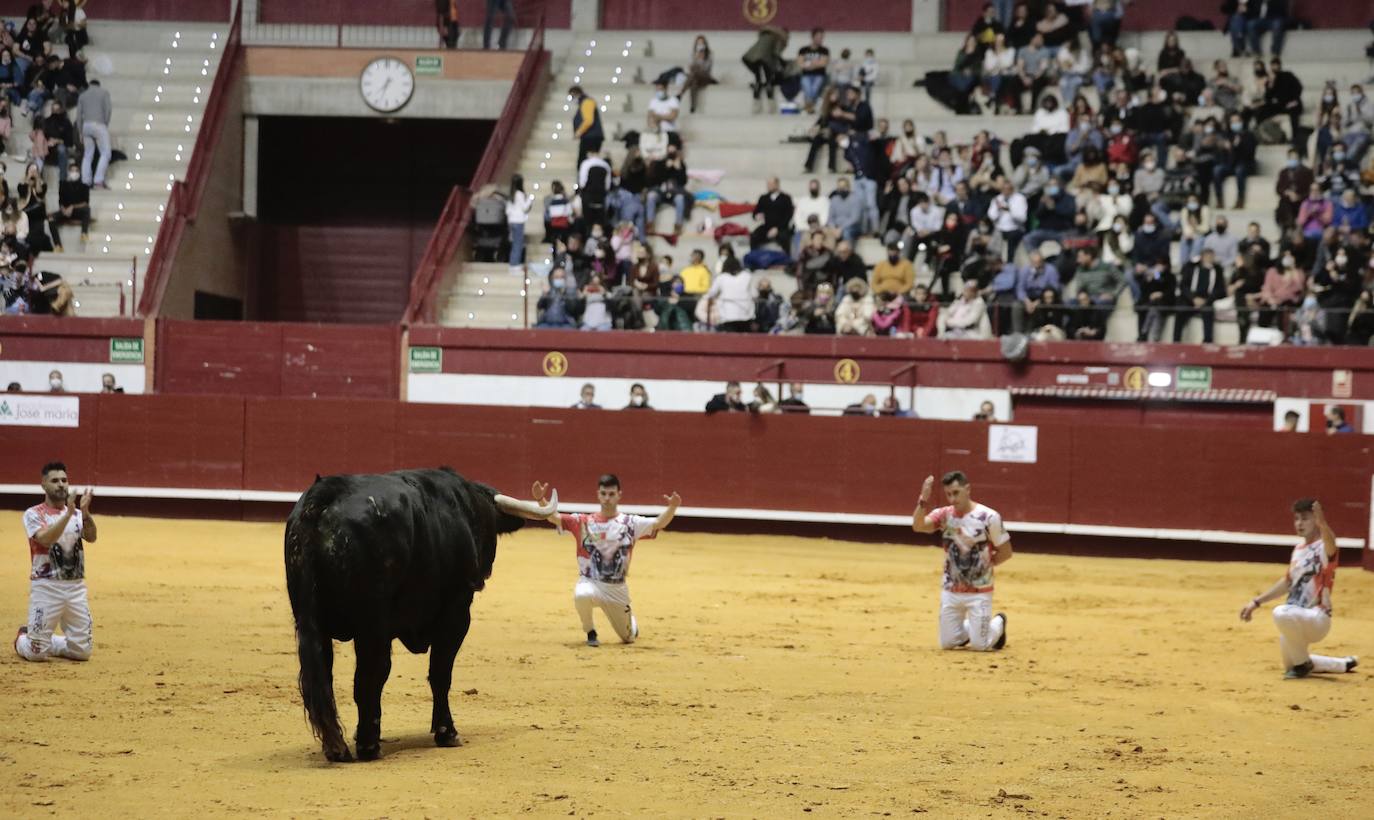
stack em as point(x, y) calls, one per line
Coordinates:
point(183, 204)
point(457, 215)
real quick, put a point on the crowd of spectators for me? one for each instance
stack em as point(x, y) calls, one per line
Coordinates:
point(69, 134)
point(762, 401)
point(1119, 184)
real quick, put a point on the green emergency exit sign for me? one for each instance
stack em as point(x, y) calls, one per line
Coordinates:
point(430, 65)
point(426, 360)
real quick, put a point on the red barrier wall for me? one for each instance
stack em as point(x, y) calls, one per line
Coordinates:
point(1160, 15)
point(278, 359)
point(368, 13)
point(715, 15)
point(1089, 475)
point(1289, 371)
point(51, 338)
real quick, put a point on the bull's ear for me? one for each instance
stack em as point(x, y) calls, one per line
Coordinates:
point(317, 478)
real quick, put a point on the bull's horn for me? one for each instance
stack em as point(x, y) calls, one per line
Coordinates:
point(527, 509)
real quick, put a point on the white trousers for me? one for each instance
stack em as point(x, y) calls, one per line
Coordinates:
point(53, 604)
point(1300, 627)
point(966, 617)
point(614, 600)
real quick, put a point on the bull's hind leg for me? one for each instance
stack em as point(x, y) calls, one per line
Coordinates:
point(374, 666)
point(448, 638)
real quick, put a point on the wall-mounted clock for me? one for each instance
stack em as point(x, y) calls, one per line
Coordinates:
point(387, 84)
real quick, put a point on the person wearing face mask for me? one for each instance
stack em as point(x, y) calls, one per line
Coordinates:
point(818, 314)
point(1202, 284)
point(639, 398)
point(1315, 213)
point(1106, 205)
point(1237, 159)
point(1350, 213)
point(854, 316)
point(558, 305)
point(1154, 123)
point(1337, 287)
point(1009, 211)
point(1293, 183)
point(1359, 122)
point(1282, 97)
point(663, 111)
point(1117, 243)
point(894, 274)
point(1122, 147)
point(1150, 245)
point(1203, 146)
point(768, 306)
point(846, 211)
point(966, 315)
point(1194, 222)
point(1282, 290)
point(813, 204)
point(1031, 176)
point(55, 382)
point(1054, 215)
point(1221, 242)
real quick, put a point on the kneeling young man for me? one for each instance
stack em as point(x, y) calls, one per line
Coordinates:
point(975, 542)
point(57, 576)
point(605, 544)
point(1306, 617)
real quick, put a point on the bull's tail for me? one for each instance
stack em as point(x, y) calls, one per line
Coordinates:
point(315, 648)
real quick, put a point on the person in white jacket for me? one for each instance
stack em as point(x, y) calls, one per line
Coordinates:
point(854, 316)
point(517, 211)
point(731, 298)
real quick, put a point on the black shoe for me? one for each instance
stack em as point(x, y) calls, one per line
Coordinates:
point(1302, 670)
point(1002, 641)
point(1351, 662)
point(591, 639)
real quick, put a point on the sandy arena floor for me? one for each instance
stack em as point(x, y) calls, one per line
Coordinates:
point(774, 677)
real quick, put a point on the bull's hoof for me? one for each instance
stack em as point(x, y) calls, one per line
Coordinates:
point(340, 755)
point(447, 738)
point(369, 752)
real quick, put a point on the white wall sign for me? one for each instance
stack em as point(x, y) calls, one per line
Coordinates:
point(1012, 442)
point(39, 411)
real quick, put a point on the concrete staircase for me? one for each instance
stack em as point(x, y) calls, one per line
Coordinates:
point(616, 68)
point(159, 77)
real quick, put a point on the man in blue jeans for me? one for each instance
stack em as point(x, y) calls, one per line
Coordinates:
point(815, 62)
point(506, 8)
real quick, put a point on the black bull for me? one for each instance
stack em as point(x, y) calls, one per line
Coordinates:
point(370, 558)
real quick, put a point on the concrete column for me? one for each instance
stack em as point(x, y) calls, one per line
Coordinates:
point(250, 166)
point(926, 16)
point(586, 15)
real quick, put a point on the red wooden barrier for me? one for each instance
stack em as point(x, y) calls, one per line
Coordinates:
point(278, 359)
point(1085, 475)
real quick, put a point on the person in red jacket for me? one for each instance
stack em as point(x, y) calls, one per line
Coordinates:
point(1122, 148)
point(922, 314)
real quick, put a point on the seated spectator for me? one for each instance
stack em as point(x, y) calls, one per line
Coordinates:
point(1046, 321)
point(1337, 286)
point(854, 316)
point(1118, 246)
point(1226, 90)
point(813, 262)
point(1283, 96)
point(587, 400)
point(1102, 283)
point(868, 406)
point(768, 306)
point(733, 294)
point(55, 382)
point(813, 204)
point(845, 265)
point(667, 179)
point(1186, 83)
point(846, 211)
point(663, 110)
point(1237, 159)
point(1194, 224)
point(1020, 28)
point(1203, 283)
point(1009, 212)
point(596, 314)
point(1153, 287)
point(639, 398)
point(1032, 281)
point(773, 212)
point(731, 401)
point(696, 277)
point(1294, 182)
point(1282, 291)
point(894, 211)
point(1273, 18)
point(890, 315)
point(1222, 243)
point(1087, 321)
point(926, 221)
point(965, 73)
point(1000, 78)
point(1359, 123)
point(966, 315)
point(893, 274)
point(1074, 64)
point(818, 318)
point(794, 403)
point(1000, 294)
point(1350, 213)
point(1054, 26)
point(1360, 330)
point(1170, 58)
point(1151, 242)
point(923, 314)
point(1030, 177)
point(1054, 216)
point(947, 256)
point(764, 59)
point(672, 313)
point(1315, 214)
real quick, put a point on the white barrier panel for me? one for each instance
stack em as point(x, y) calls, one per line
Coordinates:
point(20, 410)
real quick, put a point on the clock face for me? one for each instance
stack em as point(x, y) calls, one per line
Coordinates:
point(387, 84)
